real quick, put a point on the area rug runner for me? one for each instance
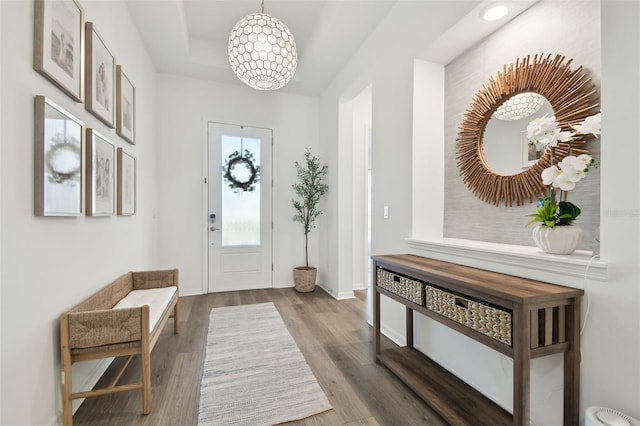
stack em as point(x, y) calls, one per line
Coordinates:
point(254, 373)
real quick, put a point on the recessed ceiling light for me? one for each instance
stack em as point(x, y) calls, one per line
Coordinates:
point(494, 13)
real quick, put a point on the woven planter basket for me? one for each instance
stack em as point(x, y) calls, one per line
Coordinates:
point(304, 278)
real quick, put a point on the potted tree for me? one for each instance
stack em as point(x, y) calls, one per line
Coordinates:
point(309, 189)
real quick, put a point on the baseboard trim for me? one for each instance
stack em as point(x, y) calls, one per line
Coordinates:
point(191, 292)
point(397, 338)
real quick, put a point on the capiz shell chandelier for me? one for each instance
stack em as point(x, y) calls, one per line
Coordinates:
point(262, 51)
point(519, 106)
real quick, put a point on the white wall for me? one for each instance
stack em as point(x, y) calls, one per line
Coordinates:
point(360, 222)
point(385, 61)
point(428, 150)
point(611, 342)
point(51, 264)
point(184, 104)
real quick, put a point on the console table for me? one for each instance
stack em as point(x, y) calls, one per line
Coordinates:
point(518, 317)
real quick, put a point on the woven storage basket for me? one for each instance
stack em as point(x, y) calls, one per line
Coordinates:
point(486, 319)
point(404, 287)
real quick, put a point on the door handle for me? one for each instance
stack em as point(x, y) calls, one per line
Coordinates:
point(213, 228)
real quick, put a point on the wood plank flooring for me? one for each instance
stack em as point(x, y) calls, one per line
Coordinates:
point(333, 336)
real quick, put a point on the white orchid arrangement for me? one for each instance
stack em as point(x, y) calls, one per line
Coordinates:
point(545, 133)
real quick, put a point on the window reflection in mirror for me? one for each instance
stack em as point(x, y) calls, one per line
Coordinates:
point(505, 143)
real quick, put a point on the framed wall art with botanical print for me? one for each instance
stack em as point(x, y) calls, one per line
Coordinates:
point(101, 173)
point(125, 106)
point(100, 67)
point(58, 44)
point(58, 178)
point(126, 184)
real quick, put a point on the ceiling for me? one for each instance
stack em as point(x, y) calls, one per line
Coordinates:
point(189, 37)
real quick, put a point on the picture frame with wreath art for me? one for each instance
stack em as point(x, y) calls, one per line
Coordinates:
point(58, 166)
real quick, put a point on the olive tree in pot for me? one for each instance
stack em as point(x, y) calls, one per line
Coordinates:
point(309, 189)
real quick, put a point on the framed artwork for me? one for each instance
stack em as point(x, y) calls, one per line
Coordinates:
point(58, 177)
point(529, 154)
point(126, 184)
point(125, 106)
point(58, 44)
point(100, 66)
point(101, 162)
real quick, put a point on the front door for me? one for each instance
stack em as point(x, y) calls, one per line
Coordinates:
point(240, 216)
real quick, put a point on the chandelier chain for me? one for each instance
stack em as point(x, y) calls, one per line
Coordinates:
point(262, 6)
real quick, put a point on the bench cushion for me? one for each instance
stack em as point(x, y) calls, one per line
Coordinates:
point(156, 298)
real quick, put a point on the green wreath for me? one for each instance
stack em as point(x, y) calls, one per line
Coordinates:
point(236, 159)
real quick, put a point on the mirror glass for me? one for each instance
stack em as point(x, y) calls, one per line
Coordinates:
point(504, 143)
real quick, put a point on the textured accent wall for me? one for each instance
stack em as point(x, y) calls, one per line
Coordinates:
point(571, 29)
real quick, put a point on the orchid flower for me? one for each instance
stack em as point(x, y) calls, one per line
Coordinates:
point(564, 182)
point(545, 133)
point(590, 125)
point(550, 174)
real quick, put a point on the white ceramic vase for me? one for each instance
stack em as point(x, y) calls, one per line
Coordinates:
point(559, 239)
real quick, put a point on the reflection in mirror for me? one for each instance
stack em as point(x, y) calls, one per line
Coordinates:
point(504, 143)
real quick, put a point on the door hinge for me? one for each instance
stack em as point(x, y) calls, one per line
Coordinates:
point(272, 267)
point(205, 180)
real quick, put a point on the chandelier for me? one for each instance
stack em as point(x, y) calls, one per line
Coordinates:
point(262, 51)
point(519, 106)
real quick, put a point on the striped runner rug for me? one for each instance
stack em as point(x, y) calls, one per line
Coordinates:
point(254, 373)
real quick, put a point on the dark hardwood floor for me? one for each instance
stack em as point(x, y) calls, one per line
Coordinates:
point(333, 336)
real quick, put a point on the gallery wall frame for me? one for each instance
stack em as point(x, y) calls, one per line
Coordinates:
point(125, 106)
point(126, 184)
point(58, 161)
point(58, 44)
point(100, 68)
point(101, 173)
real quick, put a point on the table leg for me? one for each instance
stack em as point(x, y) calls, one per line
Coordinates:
point(376, 324)
point(521, 333)
point(409, 321)
point(572, 366)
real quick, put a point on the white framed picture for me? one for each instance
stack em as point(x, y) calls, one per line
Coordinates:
point(58, 177)
point(125, 106)
point(58, 44)
point(126, 205)
point(529, 154)
point(101, 173)
point(100, 68)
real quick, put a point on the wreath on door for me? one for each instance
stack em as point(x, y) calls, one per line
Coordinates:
point(232, 167)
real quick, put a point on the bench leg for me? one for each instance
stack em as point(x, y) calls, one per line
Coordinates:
point(175, 318)
point(65, 370)
point(145, 355)
point(146, 382)
point(67, 409)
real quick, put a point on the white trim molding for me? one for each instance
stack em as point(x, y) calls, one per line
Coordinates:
point(524, 261)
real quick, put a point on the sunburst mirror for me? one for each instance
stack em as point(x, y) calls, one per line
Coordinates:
point(572, 97)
